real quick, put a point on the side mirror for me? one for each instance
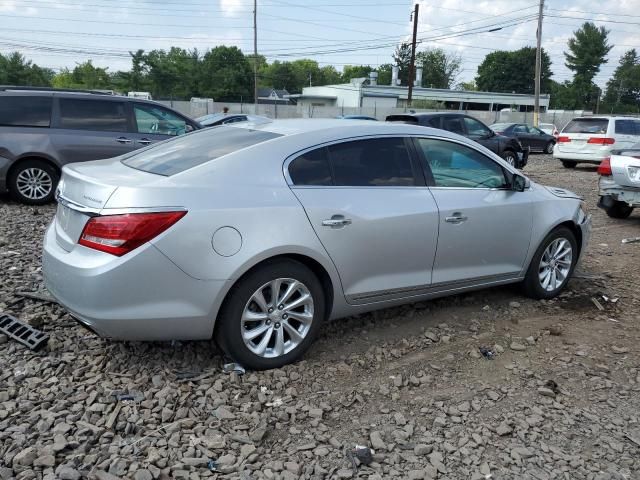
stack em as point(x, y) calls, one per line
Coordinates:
point(518, 183)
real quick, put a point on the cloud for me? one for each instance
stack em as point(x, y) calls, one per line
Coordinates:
point(230, 8)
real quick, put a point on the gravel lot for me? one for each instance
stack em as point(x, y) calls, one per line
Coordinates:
point(560, 400)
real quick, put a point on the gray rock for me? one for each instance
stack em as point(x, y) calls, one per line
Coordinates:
point(547, 392)
point(45, 461)
point(26, 457)
point(376, 441)
point(315, 412)
point(517, 347)
point(422, 449)
point(224, 413)
point(143, 475)
point(68, 473)
point(102, 475)
point(6, 473)
point(504, 429)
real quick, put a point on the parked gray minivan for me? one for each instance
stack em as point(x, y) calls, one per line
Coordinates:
point(43, 129)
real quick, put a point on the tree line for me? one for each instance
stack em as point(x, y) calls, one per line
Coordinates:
point(225, 73)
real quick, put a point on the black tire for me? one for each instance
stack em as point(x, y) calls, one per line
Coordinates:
point(569, 164)
point(48, 173)
point(619, 210)
point(228, 334)
point(510, 157)
point(531, 284)
point(548, 149)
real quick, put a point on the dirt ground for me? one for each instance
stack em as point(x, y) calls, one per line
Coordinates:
point(560, 399)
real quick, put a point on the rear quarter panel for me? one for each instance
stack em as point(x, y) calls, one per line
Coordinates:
point(246, 191)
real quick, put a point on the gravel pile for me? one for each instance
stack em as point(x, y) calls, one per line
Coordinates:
point(478, 386)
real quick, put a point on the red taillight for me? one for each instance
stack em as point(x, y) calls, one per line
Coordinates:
point(564, 139)
point(601, 141)
point(119, 234)
point(604, 168)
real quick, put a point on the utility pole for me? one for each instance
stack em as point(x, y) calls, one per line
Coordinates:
point(255, 55)
point(536, 107)
point(412, 66)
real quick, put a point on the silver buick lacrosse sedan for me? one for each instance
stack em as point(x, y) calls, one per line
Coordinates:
point(255, 235)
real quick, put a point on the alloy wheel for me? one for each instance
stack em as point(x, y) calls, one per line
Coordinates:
point(549, 148)
point(510, 159)
point(34, 183)
point(555, 264)
point(277, 317)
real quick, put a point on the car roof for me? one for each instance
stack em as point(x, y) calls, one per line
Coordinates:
point(342, 127)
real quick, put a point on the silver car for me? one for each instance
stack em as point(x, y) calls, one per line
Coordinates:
point(256, 235)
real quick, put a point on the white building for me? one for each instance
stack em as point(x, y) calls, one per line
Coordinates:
point(363, 92)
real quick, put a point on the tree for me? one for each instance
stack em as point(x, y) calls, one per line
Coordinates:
point(355, 71)
point(225, 75)
point(513, 71)
point(138, 72)
point(467, 86)
point(563, 96)
point(588, 50)
point(16, 70)
point(384, 74)
point(439, 69)
point(173, 73)
point(623, 89)
point(402, 58)
point(84, 75)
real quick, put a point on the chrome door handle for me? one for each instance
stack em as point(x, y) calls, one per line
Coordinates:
point(457, 217)
point(336, 221)
point(123, 140)
point(144, 141)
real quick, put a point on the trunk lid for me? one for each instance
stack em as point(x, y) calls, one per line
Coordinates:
point(625, 168)
point(84, 190)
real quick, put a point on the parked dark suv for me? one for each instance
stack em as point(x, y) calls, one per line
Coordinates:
point(509, 148)
point(43, 129)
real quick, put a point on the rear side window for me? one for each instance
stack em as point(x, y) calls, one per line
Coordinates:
point(453, 124)
point(27, 111)
point(372, 162)
point(626, 127)
point(188, 151)
point(587, 125)
point(99, 115)
point(311, 168)
point(435, 122)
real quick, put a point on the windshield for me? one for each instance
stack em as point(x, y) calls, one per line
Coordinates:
point(587, 125)
point(212, 117)
point(188, 151)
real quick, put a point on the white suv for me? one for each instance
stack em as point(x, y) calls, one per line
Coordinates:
point(591, 139)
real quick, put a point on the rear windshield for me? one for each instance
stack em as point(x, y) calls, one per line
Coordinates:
point(500, 126)
point(587, 125)
point(402, 119)
point(188, 151)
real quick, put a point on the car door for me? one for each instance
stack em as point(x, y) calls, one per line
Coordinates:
point(90, 129)
point(369, 206)
point(482, 134)
point(521, 132)
point(484, 226)
point(538, 139)
point(153, 123)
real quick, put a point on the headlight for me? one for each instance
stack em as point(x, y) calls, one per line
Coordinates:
point(634, 173)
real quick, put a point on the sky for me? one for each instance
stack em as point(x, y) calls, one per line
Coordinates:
point(58, 34)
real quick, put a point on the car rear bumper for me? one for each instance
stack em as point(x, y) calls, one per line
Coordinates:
point(140, 296)
point(580, 157)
